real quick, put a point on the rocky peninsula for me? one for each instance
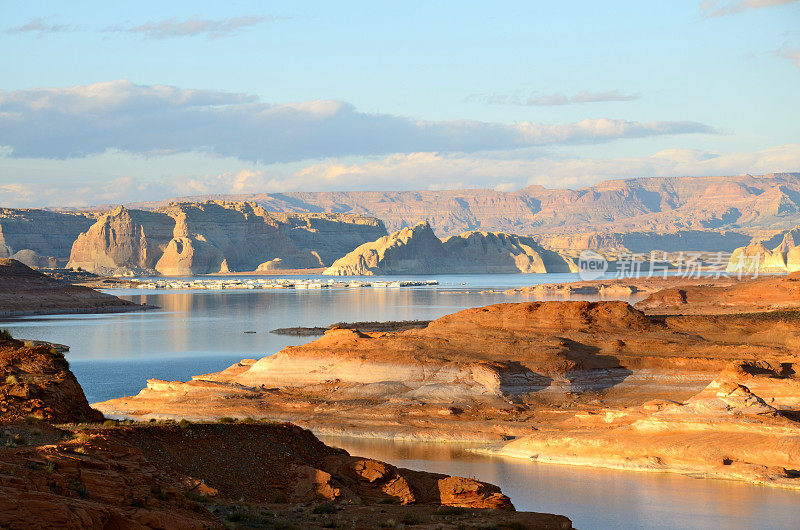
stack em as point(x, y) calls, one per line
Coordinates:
point(543, 380)
point(61, 468)
point(24, 291)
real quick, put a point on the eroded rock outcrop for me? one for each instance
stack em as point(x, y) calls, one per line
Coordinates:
point(199, 238)
point(417, 250)
point(263, 474)
point(35, 381)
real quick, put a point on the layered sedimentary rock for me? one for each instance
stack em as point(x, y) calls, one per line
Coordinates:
point(24, 291)
point(199, 475)
point(35, 380)
point(742, 426)
point(552, 374)
point(661, 204)
point(781, 253)
point(39, 237)
point(213, 236)
point(417, 250)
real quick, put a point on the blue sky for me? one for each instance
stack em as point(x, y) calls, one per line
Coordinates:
point(179, 98)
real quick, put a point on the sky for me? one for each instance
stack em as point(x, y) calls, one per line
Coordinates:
point(108, 102)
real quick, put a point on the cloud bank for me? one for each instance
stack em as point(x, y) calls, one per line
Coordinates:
point(151, 119)
point(556, 99)
point(717, 8)
point(407, 171)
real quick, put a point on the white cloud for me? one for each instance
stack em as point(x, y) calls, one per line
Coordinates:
point(404, 171)
point(192, 27)
point(41, 26)
point(790, 54)
point(89, 119)
point(556, 99)
point(717, 8)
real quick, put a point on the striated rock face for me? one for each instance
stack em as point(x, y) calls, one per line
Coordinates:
point(39, 237)
point(660, 204)
point(24, 291)
point(761, 256)
point(417, 250)
point(739, 427)
point(201, 238)
point(35, 380)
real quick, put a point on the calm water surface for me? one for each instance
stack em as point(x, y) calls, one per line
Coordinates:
point(197, 332)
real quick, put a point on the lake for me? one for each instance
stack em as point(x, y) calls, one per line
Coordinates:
point(203, 331)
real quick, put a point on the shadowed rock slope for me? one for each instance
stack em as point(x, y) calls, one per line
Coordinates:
point(35, 380)
point(24, 291)
point(417, 250)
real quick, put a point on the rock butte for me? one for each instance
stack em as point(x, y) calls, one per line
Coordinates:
point(201, 475)
point(417, 250)
point(24, 291)
point(183, 239)
point(669, 393)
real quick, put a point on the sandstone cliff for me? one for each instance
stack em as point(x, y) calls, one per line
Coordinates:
point(743, 203)
point(39, 238)
point(781, 253)
point(199, 238)
point(417, 250)
point(24, 291)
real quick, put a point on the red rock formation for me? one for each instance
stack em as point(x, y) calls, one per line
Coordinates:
point(35, 380)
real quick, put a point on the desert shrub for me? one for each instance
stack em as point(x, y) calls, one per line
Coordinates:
point(11, 380)
point(184, 423)
point(5, 335)
point(326, 508)
point(110, 423)
point(226, 419)
point(32, 419)
point(29, 344)
point(411, 519)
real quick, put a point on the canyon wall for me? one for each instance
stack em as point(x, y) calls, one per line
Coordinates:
point(216, 236)
point(417, 250)
point(743, 203)
point(39, 238)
